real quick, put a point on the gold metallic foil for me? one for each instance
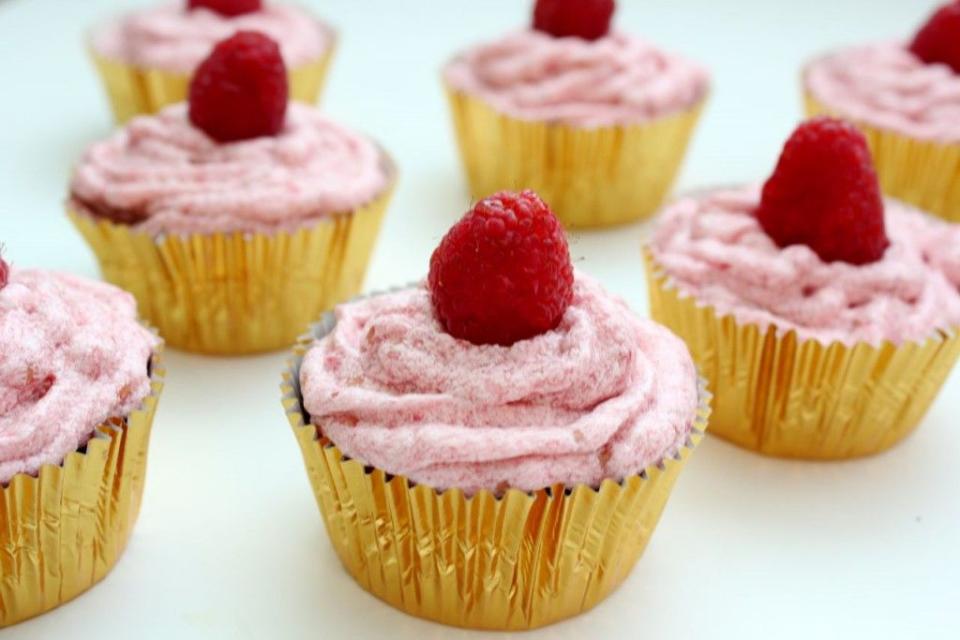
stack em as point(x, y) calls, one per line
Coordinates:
point(923, 173)
point(590, 177)
point(517, 561)
point(62, 531)
point(794, 398)
point(238, 293)
point(134, 91)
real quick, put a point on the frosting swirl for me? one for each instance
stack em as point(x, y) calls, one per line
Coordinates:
point(604, 395)
point(939, 241)
point(713, 248)
point(886, 86)
point(163, 175)
point(174, 38)
point(72, 355)
point(615, 80)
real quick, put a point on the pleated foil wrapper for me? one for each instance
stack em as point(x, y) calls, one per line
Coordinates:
point(237, 293)
point(590, 177)
point(923, 173)
point(782, 396)
point(516, 560)
point(64, 529)
point(133, 90)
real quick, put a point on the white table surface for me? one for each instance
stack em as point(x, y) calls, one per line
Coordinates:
point(230, 543)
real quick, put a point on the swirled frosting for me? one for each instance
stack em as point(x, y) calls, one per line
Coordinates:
point(174, 38)
point(163, 175)
point(886, 86)
point(939, 242)
point(72, 355)
point(615, 80)
point(604, 395)
point(712, 248)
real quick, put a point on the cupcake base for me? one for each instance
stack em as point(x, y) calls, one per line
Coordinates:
point(515, 561)
point(923, 173)
point(595, 177)
point(134, 91)
point(65, 529)
point(785, 397)
point(236, 293)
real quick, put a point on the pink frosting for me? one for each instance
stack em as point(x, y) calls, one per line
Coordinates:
point(616, 80)
point(886, 86)
point(173, 38)
point(72, 355)
point(167, 176)
point(713, 248)
point(940, 243)
point(604, 395)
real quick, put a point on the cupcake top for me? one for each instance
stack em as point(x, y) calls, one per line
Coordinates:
point(603, 395)
point(72, 355)
point(505, 369)
point(712, 247)
point(888, 86)
point(175, 38)
point(162, 174)
point(616, 79)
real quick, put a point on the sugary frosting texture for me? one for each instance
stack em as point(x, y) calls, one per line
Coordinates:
point(712, 248)
point(886, 86)
point(604, 395)
point(173, 38)
point(72, 355)
point(615, 80)
point(943, 251)
point(163, 175)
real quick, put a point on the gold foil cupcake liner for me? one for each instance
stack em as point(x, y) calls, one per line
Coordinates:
point(591, 177)
point(238, 293)
point(515, 561)
point(923, 173)
point(62, 531)
point(782, 396)
point(134, 90)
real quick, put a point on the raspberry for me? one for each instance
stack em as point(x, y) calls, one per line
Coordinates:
point(4, 273)
point(587, 19)
point(502, 273)
point(240, 90)
point(939, 39)
point(824, 194)
point(227, 8)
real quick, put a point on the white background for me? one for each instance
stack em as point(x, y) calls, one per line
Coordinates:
point(230, 543)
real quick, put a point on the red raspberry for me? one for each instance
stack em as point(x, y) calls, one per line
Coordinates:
point(227, 8)
point(824, 194)
point(502, 273)
point(240, 90)
point(4, 273)
point(587, 19)
point(939, 39)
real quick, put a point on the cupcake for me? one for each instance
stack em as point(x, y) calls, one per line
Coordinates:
point(493, 448)
point(821, 314)
point(238, 218)
point(146, 58)
point(906, 99)
point(595, 120)
point(79, 383)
